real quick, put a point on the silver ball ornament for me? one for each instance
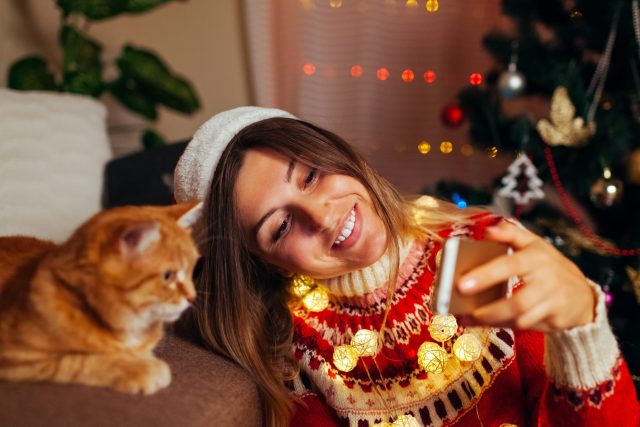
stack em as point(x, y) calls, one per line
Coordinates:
point(511, 83)
point(606, 192)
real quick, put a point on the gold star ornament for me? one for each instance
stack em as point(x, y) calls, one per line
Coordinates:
point(564, 128)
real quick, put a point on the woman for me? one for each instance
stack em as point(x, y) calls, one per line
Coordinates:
point(285, 198)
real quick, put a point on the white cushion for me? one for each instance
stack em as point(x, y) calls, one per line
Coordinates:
point(53, 148)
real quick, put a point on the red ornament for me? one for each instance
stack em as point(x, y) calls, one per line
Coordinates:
point(452, 115)
point(475, 79)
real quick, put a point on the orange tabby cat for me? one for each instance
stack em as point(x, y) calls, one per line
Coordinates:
point(91, 310)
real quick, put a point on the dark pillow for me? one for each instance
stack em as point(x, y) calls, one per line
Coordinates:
point(142, 178)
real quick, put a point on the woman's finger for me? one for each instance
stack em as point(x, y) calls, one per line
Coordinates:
point(511, 234)
point(496, 271)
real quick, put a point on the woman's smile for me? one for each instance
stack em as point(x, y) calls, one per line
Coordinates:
point(349, 231)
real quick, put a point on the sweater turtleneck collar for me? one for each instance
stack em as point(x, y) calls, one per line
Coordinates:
point(371, 282)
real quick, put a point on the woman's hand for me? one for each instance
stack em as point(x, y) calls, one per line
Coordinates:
point(555, 294)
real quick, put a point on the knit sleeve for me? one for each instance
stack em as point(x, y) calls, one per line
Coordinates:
point(577, 377)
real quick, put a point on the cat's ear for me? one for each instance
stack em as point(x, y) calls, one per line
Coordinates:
point(135, 239)
point(188, 213)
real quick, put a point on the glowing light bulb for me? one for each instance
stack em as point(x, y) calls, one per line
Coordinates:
point(446, 147)
point(357, 71)
point(309, 69)
point(432, 358)
point(407, 76)
point(429, 76)
point(467, 348)
point(466, 150)
point(432, 5)
point(424, 147)
point(382, 74)
point(442, 328)
point(406, 421)
point(365, 342)
point(316, 300)
point(345, 357)
point(301, 285)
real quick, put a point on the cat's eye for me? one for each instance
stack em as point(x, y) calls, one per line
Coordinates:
point(169, 275)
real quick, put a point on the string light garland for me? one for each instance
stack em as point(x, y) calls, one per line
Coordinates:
point(431, 357)
point(566, 202)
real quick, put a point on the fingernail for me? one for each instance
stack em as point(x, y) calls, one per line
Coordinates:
point(467, 284)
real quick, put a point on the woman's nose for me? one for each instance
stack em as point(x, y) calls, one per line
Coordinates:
point(319, 213)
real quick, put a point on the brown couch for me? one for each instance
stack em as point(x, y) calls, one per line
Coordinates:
point(206, 390)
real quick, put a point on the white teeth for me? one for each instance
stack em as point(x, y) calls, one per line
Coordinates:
point(348, 228)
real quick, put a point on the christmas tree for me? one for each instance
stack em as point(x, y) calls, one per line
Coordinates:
point(565, 91)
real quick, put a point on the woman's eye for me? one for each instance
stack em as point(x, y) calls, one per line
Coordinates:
point(168, 275)
point(311, 177)
point(284, 225)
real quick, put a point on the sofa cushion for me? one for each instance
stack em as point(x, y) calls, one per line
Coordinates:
point(206, 390)
point(53, 148)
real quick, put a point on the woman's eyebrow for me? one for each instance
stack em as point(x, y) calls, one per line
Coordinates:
point(287, 178)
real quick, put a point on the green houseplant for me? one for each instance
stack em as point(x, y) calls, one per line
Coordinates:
point(143, 82)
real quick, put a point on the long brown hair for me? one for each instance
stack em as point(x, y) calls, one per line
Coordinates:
point(244, 312)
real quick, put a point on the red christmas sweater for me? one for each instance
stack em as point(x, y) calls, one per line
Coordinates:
point(569, 378)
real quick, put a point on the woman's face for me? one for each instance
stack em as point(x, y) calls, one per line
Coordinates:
point(304, 221)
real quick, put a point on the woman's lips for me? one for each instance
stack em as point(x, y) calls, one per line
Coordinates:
point(355, 233)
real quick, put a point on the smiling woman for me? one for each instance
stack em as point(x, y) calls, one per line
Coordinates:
point(288, 203)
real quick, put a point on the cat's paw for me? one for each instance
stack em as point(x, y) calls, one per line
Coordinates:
point(144, 376)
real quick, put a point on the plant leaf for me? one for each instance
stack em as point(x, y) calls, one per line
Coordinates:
point(175, 93)
point(131, 96)
point(31, 73)
point(152, 139)
point(79, 51)
point(87, 82)
point(138, 6)
point(82, 67)
point(156, 79)
point(93, 9)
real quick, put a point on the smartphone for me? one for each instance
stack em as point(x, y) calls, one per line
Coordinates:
point(458, 257)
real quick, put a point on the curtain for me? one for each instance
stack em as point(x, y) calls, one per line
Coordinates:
point(357, 67)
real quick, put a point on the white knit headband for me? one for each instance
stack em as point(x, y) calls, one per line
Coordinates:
point(194, 172)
